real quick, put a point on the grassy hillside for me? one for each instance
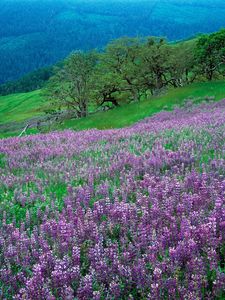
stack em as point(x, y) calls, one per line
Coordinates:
point(129, 114)
point(20, 107)
point(23, 107)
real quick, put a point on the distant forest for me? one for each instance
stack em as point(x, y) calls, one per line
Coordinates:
point(38, 33)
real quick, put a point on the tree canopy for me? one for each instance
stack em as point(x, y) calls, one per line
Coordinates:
point(130, 68)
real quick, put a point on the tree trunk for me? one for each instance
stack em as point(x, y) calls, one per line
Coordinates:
point(110, 99)
point(83, 108)
point(114, 102)
point(159, 81)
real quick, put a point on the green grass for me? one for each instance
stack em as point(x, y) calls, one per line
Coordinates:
point(22, 107)
point(129, 114)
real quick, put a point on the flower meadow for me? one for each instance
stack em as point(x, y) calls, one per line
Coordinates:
point(133, 213)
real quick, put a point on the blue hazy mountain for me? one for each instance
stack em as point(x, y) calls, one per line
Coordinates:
point(36, 33)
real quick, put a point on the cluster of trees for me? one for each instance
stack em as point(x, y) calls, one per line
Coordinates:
point(30, 82)
point(38, 33)
point(210, 54)
point(130, 68)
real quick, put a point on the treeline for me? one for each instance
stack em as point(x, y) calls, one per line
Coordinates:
point(30, 82)
point(130, 68)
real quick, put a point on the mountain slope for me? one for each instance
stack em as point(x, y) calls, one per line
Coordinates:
point(37, 33)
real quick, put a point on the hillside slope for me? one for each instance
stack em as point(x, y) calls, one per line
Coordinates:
point(129, 114)
point(135, 213)
point(20, 109)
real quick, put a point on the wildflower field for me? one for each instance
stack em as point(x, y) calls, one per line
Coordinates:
point(133, 213)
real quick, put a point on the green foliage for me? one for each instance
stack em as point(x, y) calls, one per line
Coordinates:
point(182, 63)
point(116, 73)
point(210, 54)
point(130, 69)
point(69, 88)
point(155, 60)
point(30, 82)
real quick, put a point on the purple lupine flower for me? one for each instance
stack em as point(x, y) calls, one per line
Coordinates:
point(133, 212)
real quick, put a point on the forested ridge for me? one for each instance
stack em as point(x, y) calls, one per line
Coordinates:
point(35, 33)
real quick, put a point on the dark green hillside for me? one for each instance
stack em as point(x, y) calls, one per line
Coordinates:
point(37, 33)
point(32, 81)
